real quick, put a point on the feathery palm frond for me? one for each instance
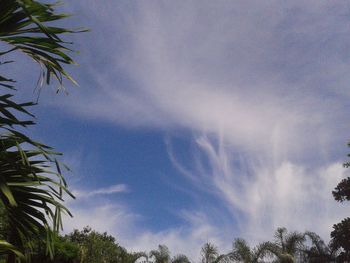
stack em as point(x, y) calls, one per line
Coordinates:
point(23, 26)
point(293, 241)
point(209, 253)
point(31, 192)
point(241, 251)
point(223, 258)
point(259, 252)
point(5, 247)
point(319, 251)
point(286, 245)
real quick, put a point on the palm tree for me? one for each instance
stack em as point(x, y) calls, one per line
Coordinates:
point(319, 252)
point(241, 252)
point(286, 245)
point(210, 254)
point(161, 255)
point(30, 190)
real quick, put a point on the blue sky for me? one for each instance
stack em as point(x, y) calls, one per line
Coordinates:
point(203, 121)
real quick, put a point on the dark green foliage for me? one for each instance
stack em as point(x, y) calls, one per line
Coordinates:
point(347, 164)
point(180, 259)
point(85, 246)
point(66, 251)
point(31, 192)
point(342, 191)
point(3, 222)
point(318, 252)
point(341, 238)
point(31, 183)
point(341, 233)
point(95, 247)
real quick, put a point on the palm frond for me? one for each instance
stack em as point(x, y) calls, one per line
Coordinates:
point(241, 251)
point(30, 190)
point(293, 242)
point(209, 252)
point(24, 27)
point(6, 247)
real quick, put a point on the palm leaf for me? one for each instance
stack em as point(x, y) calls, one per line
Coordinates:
point(30, 190)
point(23, 26)
point(5, 247)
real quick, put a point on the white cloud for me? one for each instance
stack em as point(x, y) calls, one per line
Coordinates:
point(187, 239)
point(113, 189)
point(102, 216)
point(115, 218)
point(264, 83)
point(252, 72)
point(272, 195)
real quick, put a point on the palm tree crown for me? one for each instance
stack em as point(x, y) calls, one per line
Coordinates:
point(286, 245)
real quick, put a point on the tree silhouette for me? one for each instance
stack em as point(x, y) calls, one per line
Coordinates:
point(341, 233)
point(319, 252)
point(241, 252)
point(209, 253)
point(286, 245)
point(341, 239)
point(161, 255)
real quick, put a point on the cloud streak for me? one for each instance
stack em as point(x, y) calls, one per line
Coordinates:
point(267, 196)
point(113, 189)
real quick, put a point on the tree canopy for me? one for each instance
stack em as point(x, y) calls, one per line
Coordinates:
point(341, 231)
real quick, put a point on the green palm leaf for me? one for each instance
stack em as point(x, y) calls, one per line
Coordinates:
point(5, 247)
point(31, 192)
point(23, 26)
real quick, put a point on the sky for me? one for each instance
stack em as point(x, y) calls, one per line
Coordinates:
point(200, 121)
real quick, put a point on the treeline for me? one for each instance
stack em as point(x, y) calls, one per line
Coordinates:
point(90, 246)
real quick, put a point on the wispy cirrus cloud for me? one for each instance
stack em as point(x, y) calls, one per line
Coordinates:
point(262, 85)
point(113, 189)
point(262, 196)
